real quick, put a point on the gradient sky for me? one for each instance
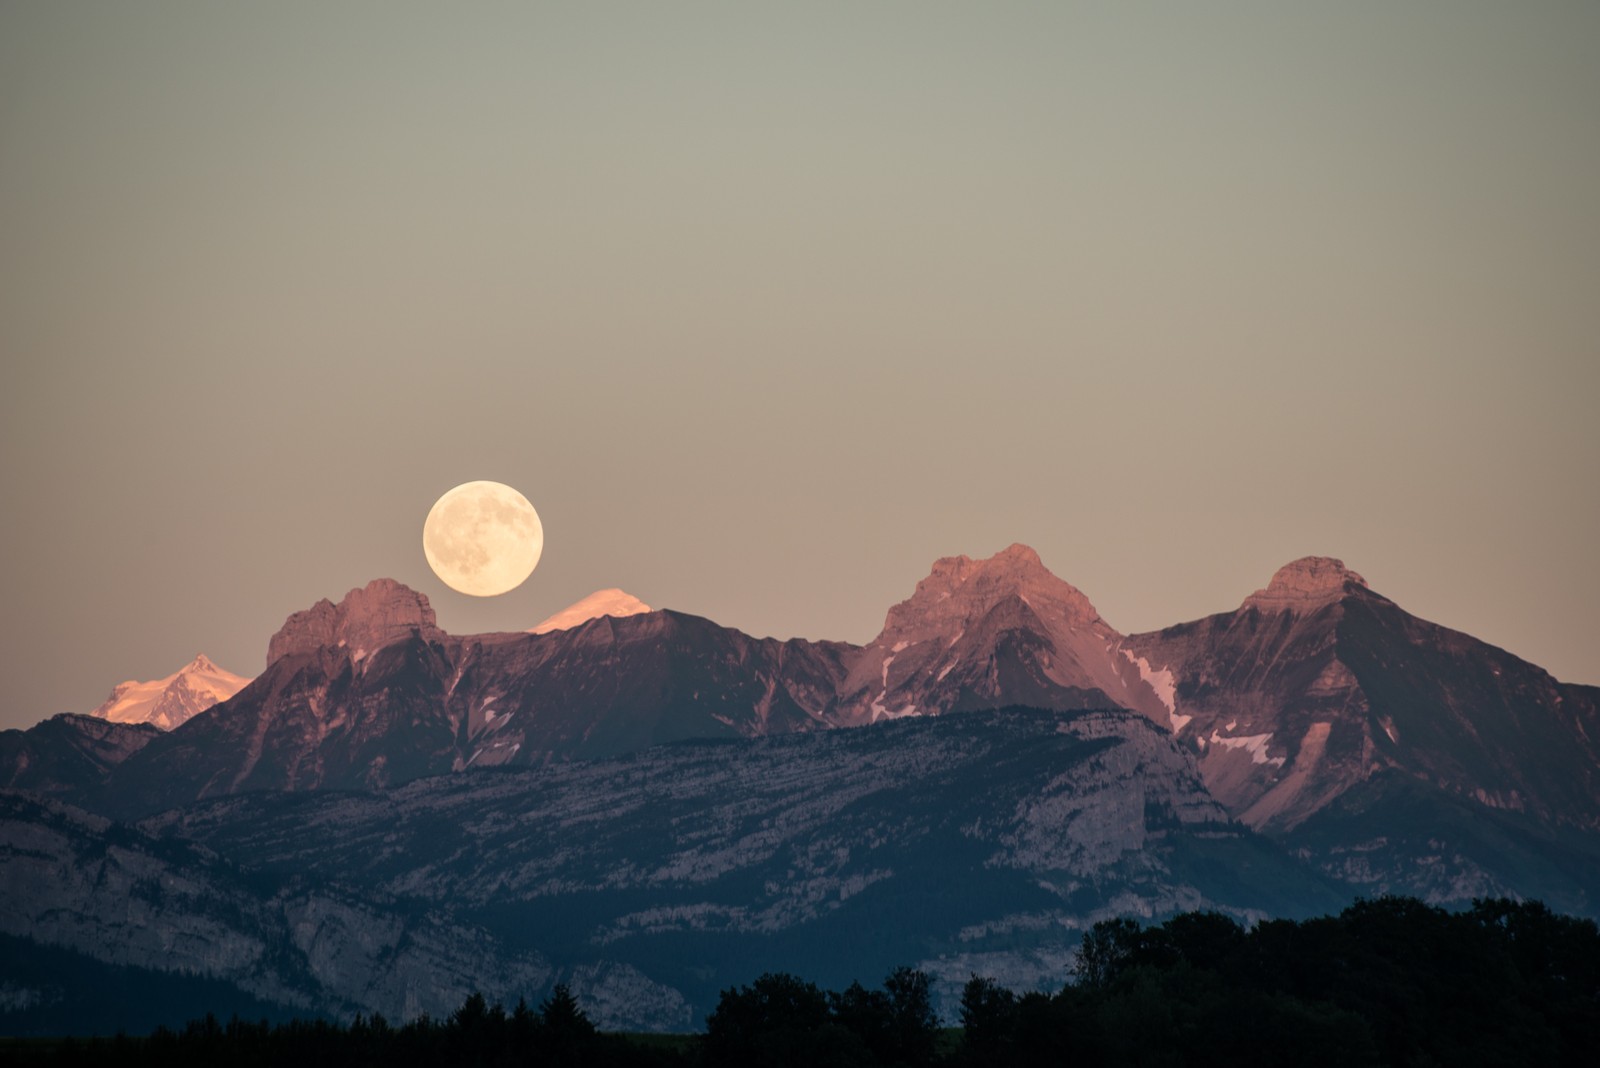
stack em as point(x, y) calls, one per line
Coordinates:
point(767, 306)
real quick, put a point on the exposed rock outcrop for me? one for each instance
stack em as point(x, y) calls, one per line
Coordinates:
point(71, 879)
point(986, 633)
point(382, 612)
point(1305, 585)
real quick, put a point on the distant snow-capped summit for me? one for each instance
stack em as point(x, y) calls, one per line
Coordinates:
point(613, 602)
point(173, 700)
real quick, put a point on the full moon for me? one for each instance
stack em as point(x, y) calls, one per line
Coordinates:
point(483, 538)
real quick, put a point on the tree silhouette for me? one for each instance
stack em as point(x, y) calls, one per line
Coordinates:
point(1106, 947)
point(913, 1023)
point(988, 1022)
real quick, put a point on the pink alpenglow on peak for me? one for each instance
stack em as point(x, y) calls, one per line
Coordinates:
point(174, 700)
point(960, 588)
point(612, 602)
point(1000, 630)
point(1304, 585)
point(382, 612)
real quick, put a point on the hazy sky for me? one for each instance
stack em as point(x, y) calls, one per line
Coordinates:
point(767, 306)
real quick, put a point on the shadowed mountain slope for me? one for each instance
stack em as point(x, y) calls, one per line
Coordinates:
point(359, 702)
point(69, 756)
point(839, 853)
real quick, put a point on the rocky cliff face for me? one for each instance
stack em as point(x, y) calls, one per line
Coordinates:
point(381, 613)
point(107, 890)
point(985, 633)
point(1302, 586)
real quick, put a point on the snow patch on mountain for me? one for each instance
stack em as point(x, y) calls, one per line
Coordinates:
point(1254, 744)
point(611, 602)
point(1164, 685)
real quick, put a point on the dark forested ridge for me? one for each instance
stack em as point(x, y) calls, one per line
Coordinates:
point(1391, 981)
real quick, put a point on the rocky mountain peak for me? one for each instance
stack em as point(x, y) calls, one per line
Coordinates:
point(960, 589)
point(984, 633)
point(375, 615)
point(1305, 584)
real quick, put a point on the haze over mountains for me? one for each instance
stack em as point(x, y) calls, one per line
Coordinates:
point(684, 793)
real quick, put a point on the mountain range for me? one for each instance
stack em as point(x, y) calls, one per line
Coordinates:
point(646, 804)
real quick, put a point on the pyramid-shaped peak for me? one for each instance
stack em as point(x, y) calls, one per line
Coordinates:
point(611, 602)
point(1304, 584)
point(960, 589)
point(173, 700)
point(374, 615)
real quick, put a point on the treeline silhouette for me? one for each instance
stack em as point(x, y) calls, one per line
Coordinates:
point(477, 1035)
point(1386, 982)
point(1390, 982)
